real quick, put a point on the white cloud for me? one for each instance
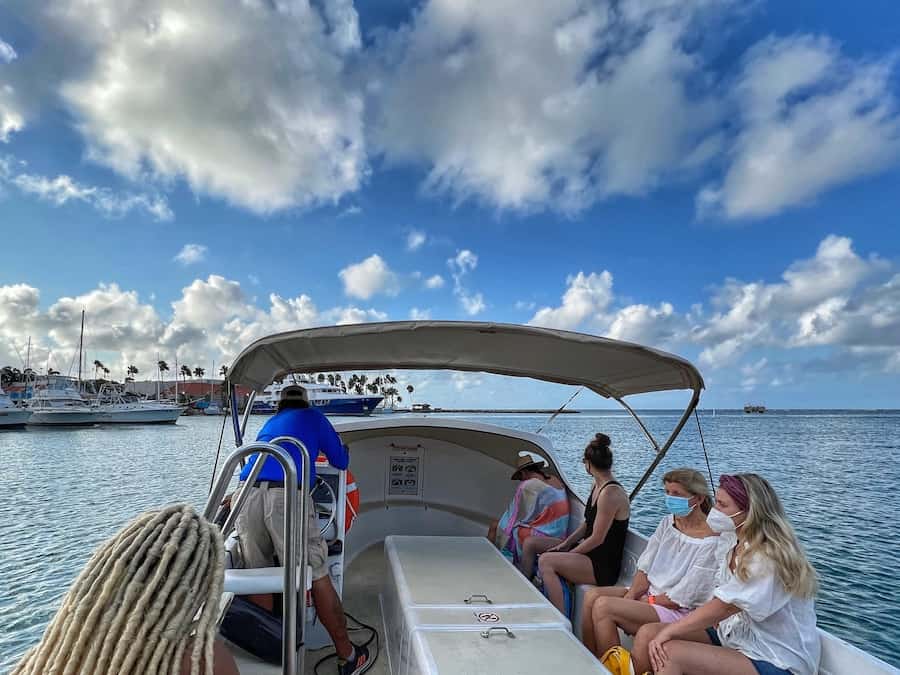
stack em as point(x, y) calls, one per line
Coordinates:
point(417, 314)
point(544, 104)
point(751, 374)
point(472, 304)
point(794, 311)
point(64, 189)
point(12, 119)
point(465, 261)
point(191, 254)
point(352, 210)
point(585, 299)
point(7, 53)
point(434, 281)
point(415, 240)
point(367, 278)
point(809, 119)
point(212, 320)
point(658, 326)
point(248, 101)
point(462, 264)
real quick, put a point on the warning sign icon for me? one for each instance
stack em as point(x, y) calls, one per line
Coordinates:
point(487, 617)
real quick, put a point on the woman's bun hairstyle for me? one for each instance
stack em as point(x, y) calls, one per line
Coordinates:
point(599, 453)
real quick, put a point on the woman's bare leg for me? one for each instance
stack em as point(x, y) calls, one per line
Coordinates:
point(610, 613)
point(640, 652)
point(573, 567)
point(587, 623)
point(699, 659)
point(531, 548)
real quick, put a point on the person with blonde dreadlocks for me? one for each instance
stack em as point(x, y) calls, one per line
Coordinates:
point(146, 602)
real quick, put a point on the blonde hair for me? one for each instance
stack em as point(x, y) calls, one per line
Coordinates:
point(767, 532)
point(143, 597)
point(694, 482)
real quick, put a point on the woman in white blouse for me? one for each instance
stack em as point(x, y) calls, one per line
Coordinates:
point(762, 619)
point(675, 573)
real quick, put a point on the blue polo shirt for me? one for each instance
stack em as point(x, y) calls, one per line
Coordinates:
point(307, 425)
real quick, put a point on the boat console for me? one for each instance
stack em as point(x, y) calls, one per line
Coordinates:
point(456, 605)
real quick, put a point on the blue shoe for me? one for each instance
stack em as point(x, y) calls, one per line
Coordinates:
point(359, 664)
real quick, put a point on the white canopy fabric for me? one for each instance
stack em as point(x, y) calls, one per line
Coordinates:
point(611, 368)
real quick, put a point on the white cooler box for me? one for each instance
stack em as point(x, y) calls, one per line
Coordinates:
point(456, 605)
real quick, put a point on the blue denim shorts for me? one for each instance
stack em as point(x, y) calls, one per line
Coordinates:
point(762, 667)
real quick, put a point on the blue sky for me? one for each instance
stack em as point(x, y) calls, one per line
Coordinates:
point(714, 178)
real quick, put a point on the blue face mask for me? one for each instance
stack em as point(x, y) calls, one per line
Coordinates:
point(678, 506)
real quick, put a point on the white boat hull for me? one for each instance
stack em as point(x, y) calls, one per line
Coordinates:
point(63, 418)
point(139, 416)
point(13, 417)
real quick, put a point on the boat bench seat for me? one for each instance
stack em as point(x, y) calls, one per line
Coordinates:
point(455, 604)
point(629, 567)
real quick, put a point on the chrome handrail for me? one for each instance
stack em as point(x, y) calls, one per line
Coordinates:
point(293, 655)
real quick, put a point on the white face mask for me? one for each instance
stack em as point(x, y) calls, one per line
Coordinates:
point(721, 522)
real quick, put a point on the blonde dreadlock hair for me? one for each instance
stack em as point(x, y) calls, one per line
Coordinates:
point(144, 596)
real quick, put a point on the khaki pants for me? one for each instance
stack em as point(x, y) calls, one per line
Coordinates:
point(260, 530)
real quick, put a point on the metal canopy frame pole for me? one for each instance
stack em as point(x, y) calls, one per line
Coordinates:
point(640, 422)
point(290, 552)
point(695, 399)
point(292, 655)
point(235, 415)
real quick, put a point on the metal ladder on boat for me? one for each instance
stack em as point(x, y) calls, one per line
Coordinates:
point(293, 655)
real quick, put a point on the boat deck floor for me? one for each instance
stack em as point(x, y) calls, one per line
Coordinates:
point(363, 582)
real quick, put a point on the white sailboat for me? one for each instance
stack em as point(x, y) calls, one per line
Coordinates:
point(11, 416)
point(416, 565)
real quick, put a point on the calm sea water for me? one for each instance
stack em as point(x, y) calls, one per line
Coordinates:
point(65, 491)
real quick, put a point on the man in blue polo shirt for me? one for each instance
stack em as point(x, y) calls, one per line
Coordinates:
point(260, 525)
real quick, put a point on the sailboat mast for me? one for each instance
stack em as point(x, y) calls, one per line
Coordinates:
point(80, 345)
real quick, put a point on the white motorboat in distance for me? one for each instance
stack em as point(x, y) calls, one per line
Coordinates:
point(56, 402)
point(115, 406)
point(11, 416)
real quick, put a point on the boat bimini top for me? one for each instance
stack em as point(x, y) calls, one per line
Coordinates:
point(611, 368)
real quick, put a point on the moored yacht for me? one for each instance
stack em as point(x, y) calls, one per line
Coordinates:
point(11, 416)
point(329, 399)
point(115, 406)
point(55, 401)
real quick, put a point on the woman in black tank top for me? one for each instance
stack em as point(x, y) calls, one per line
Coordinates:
point(592, 554)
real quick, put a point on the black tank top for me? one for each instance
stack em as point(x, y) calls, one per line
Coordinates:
point(607, 557)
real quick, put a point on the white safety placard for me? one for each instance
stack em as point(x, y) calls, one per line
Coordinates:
point(403, 478)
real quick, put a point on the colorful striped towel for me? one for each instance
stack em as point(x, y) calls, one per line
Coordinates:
point(537, 509)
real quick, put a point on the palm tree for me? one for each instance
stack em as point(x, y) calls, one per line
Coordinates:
point(8, 375)
point(105, 371)
point(97, 366)
point(410, 389)
point(162, 366)
point(186, 372)
point(199, 372)
point(132, 371)
point(223, 371)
